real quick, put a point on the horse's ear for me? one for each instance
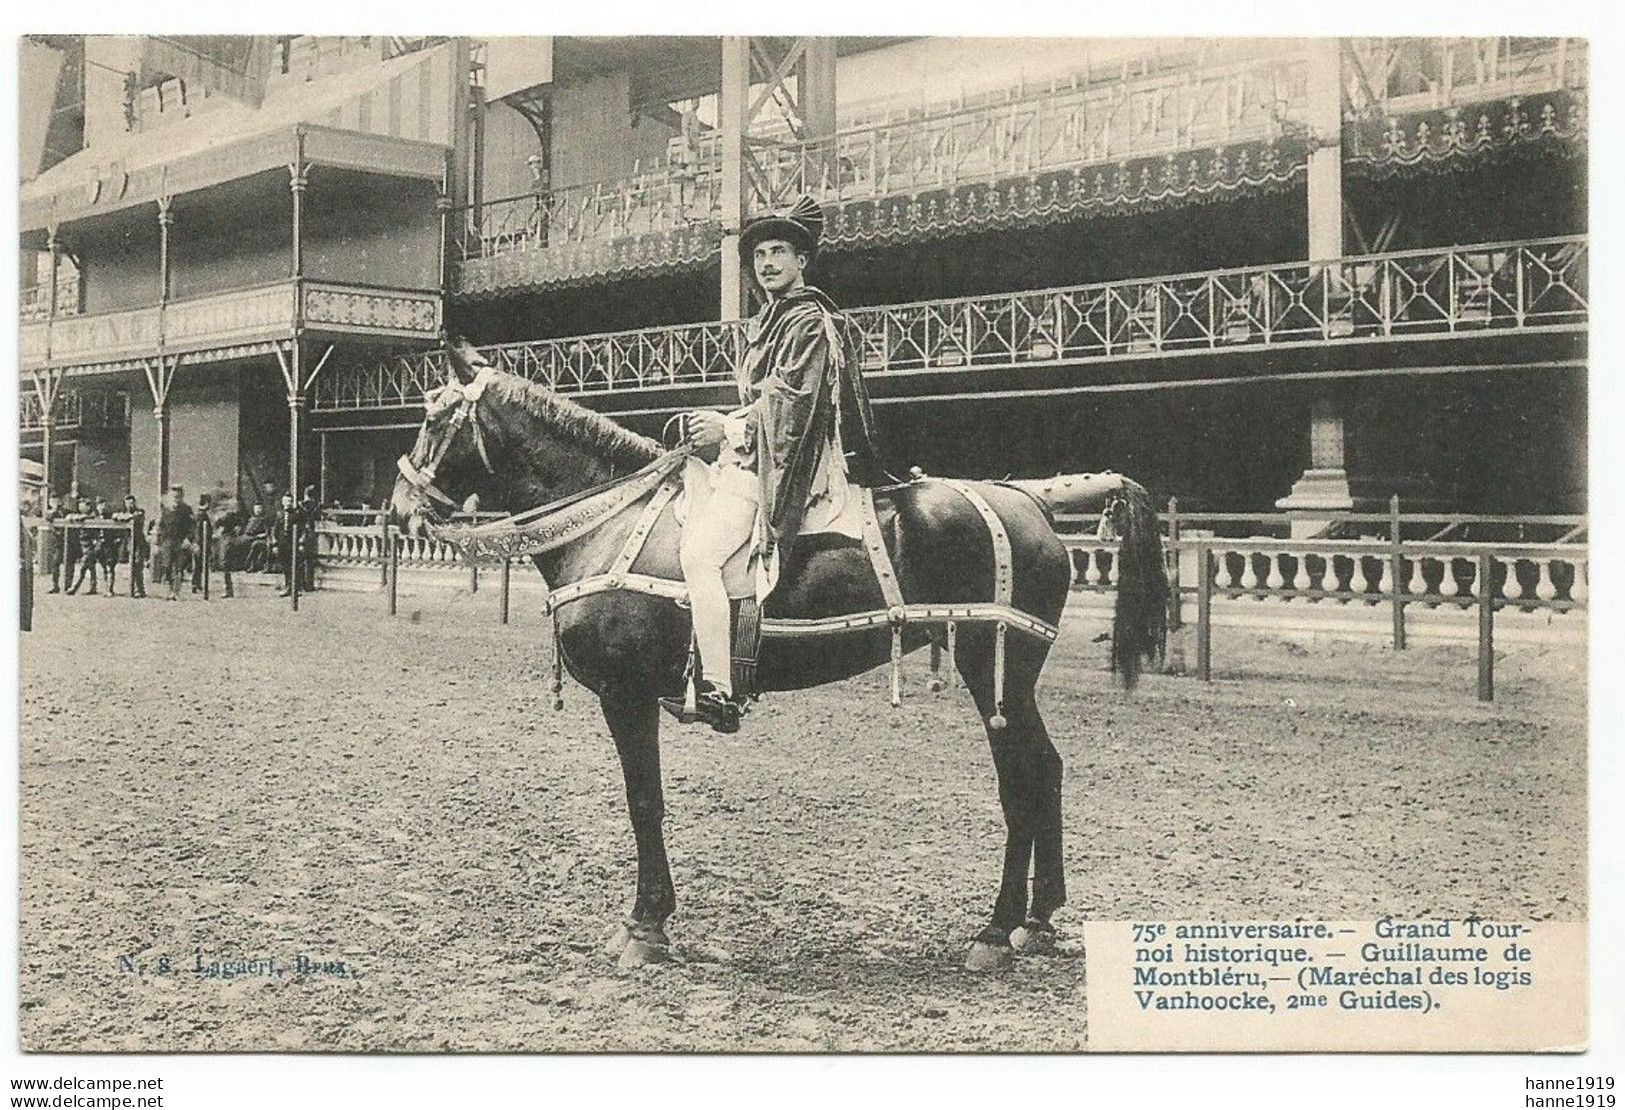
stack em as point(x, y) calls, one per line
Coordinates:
point(464, 359)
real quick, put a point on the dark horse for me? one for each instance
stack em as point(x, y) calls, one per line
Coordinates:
point(518, 445)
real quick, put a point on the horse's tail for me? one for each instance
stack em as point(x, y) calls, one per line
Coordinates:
point(1140, 620)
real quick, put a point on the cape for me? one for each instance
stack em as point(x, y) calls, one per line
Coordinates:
point(801, 372)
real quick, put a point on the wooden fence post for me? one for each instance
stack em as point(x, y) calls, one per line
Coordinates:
point(383, 563)
point(1204, 612)
point(473, 577)
point(1486, 629)
point(1394, 571)
point(1173, 564)
point(507, 570)
point(392, 565)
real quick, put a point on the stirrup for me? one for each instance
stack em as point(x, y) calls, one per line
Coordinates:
point(711, 706)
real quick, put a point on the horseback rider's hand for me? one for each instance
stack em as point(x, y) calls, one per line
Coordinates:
point(704, 432)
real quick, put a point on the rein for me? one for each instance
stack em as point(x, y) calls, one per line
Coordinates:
point(557, 523)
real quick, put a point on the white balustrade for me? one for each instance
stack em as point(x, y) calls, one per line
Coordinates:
point(1546, 589)
point(1276, 579)
point(1418, 585)
point(1469, 585)
point(1512, 589)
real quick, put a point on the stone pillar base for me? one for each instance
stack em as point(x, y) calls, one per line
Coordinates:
point(1319, 488)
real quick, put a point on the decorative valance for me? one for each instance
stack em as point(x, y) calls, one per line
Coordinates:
point(1133, 185)
point(1543, 124)
point(1137, 184)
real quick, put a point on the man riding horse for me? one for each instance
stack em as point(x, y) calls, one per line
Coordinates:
point(784, 458)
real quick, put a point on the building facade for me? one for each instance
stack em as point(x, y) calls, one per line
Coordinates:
point(1307, 273)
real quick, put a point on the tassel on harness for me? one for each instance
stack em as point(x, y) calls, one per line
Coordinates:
point(997, 722)
point(896, 657)
point(558, 662)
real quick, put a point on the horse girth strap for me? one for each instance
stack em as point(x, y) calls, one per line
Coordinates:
point(633, 547)
point(874, 542)
point(1003, 563)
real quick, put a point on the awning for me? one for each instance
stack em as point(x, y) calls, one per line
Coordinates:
point(395, 118)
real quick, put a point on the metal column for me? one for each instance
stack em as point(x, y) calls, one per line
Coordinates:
point(732, 120)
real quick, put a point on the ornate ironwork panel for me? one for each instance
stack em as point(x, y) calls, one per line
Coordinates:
point(1444, 290)
point(383, 311)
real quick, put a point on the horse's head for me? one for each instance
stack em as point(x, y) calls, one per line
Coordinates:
point(450, 463)
point(513, 442)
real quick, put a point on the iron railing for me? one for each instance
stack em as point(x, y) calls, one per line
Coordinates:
point(1436, 291)
point(1258, 98)
point(1390, 76)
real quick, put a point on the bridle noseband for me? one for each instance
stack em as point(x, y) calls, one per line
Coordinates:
point(466, 398)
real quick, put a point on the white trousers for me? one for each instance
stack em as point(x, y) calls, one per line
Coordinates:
point(715, 528)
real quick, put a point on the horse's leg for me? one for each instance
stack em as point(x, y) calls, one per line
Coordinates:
point(1037, 935)
point(634, 721)
point(991, 951)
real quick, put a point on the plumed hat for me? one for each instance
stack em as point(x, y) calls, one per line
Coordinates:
point(800, 225)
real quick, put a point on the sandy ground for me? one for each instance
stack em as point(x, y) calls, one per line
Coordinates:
point(394, 801)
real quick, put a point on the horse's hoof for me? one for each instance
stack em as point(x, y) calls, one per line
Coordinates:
point(615, 940)
point(640, 952)
point(1034, 939)
point(935, 685)
point(989, 957)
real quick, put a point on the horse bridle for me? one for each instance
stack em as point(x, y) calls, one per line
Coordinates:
point(466, 398)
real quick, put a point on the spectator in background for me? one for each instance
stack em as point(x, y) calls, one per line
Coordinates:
point(73, 512)
point(82, 547)
point(52, 539)
point(31, 482)
point(135, 543)
point(257, 540)
point(202, 540)
point(227, 523)
point(174, 535)
point(108, 543)
point(309, 513)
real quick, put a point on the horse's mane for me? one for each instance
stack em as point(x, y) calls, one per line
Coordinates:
point(592, 432)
